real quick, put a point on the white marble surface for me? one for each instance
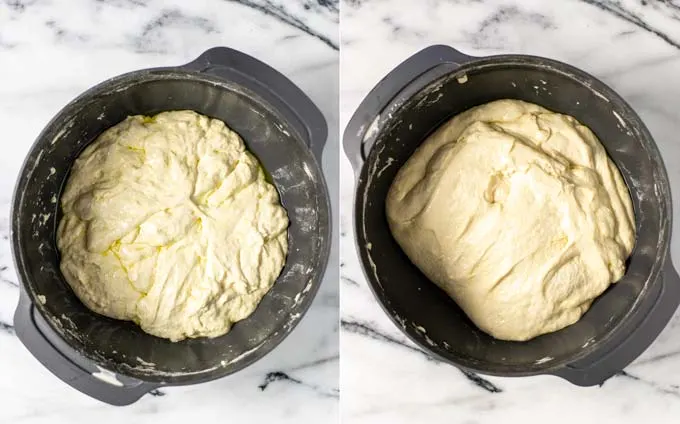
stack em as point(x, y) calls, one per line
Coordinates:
point(634, 46)
point(52, 50)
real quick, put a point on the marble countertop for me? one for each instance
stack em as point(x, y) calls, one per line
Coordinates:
point(51, 51)
point(633, 46)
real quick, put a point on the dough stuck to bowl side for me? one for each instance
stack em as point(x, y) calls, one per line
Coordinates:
point(169, 222)
point(517, 213)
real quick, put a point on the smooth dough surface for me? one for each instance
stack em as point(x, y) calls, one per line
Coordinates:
point(169, 222)
point(517, 213)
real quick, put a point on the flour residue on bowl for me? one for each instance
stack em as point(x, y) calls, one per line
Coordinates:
point(308, 171)
point(63, 131)
point(107, 377)
point(390, 160)
point(372, 173)
point(242, 355)
point(44, 217)
point(282, 173)
point(282, 130)
point(622, 123)
point(588, 342)
point(427, 101)
point(372, 129)
point(544, 360)
point(145, 363)
point(597, 93)
point(423, 332)
point(292, 320)
point(305, 217)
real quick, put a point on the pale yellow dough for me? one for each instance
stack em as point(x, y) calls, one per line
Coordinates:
point(169, 222)
point(517, 213)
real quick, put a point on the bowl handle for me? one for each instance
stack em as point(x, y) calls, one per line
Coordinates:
point(393, 90)
point(597, 368)
point(95, 382)
point(272, 86)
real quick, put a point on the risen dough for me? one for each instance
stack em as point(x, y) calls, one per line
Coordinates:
point(517, 213)
point(169, 222)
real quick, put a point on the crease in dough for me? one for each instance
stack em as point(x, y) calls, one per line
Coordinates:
point(517, 213)
point(169, 222)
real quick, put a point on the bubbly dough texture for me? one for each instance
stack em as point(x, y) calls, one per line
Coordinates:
point(169, 222)
point(517, 213)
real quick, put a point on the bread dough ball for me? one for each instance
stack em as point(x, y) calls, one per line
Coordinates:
point(517, 213)
point(169, 222)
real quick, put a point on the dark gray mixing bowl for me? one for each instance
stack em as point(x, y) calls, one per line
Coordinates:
point(284, 129)
point(428, 89)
